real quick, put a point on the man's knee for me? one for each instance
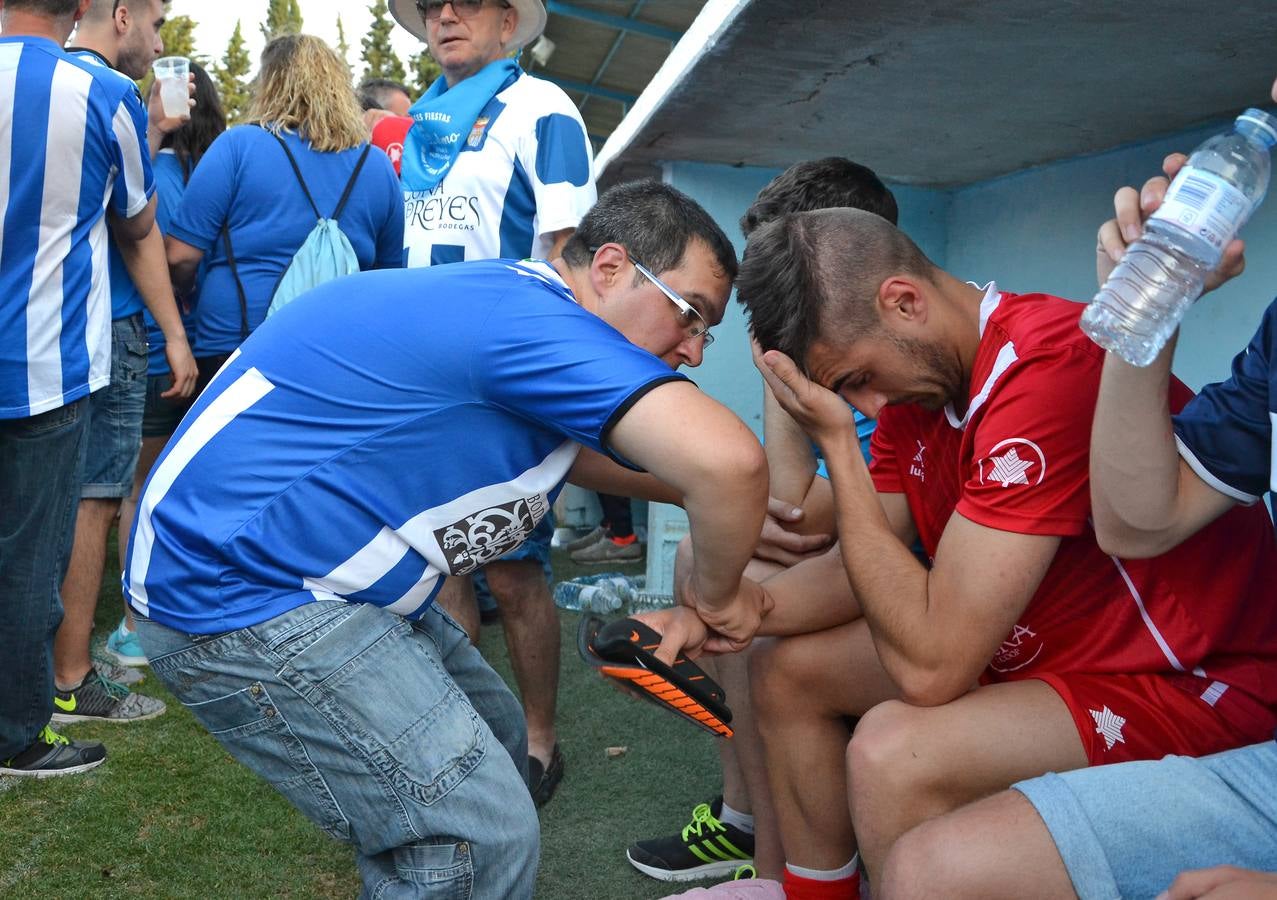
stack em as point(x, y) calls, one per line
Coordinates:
point(927, 862)
point(880, 755)
point(515, 582)
point(785, 678)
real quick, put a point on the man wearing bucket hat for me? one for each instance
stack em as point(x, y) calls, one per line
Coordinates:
point(495, 164)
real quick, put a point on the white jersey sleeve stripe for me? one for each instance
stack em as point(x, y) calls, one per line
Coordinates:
point(131, 150)
point(1207, 476)
point(246, 391)
point(59, 213)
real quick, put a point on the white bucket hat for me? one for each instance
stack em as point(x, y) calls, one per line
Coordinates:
point(531, 20)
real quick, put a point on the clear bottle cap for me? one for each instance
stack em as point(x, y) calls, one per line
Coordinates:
point(1266, 123)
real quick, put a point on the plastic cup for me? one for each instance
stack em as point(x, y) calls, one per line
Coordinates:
point(172, 72)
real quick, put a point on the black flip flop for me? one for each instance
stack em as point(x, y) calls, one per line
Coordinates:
point(623, 650)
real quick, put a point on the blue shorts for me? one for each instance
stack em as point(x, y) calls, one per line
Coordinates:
point(115, 415)
point(162, 415)
point(1127, 830)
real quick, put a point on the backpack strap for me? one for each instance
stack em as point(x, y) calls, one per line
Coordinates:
point(298, 172)
point(239, 285)
point(350, 185)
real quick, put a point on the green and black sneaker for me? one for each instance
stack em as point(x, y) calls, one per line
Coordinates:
point(706, 848)
point(53, 755)
point(99, 699)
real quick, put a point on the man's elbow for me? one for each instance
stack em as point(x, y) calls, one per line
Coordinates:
point(931, 686)
point(742, 466)
point(1122, 539)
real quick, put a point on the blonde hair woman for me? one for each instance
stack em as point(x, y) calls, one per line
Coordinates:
point(258, 191)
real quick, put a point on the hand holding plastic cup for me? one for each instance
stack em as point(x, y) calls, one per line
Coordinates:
point(173, 74)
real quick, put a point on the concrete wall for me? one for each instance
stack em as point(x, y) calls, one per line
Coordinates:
point(1035, 231)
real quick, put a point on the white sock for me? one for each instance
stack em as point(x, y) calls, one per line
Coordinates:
point(737, 819)
point(827, 874)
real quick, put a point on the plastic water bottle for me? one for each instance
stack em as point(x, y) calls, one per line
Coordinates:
point(602, 593)
point(1141, 304)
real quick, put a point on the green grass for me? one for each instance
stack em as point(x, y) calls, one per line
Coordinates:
point(170, 814)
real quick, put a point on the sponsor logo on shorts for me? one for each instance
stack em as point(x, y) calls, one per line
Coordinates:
point(1017, 651)
point(1108, 724)
point(478, 539)
point(1020, 462)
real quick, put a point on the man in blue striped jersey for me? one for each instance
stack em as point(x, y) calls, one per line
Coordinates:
point(71, 147)
point(292, 541)
point(122, 37)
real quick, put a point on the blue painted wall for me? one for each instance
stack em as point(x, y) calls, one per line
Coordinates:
point(1035, 231)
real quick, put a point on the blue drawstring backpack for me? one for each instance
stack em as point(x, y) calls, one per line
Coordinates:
point(326, 253)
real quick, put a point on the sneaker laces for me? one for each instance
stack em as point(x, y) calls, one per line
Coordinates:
point(114, 689)
point(702, 817)
point(745, 871)
point(51, 737)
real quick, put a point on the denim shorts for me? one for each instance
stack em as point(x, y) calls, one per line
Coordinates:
point(1127, 830)
point(115, 415)
point(162, 415)
point(391, 735)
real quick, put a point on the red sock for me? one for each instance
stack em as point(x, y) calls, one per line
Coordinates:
point(625, 541)
point(799, 888)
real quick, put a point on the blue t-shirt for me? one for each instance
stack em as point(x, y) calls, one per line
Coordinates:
point(1225, 433)
point(72, 143)
point(365, 450)
point(245, 181)
point(170, 184)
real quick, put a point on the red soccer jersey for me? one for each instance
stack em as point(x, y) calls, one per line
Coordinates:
point(1018, 461)
point(389, 134)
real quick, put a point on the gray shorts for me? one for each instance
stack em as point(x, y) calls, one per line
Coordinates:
point(1127, 830)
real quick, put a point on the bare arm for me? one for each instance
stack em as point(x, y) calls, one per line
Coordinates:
point(719, 469)
point(144, 258)
point(1144, 497)
point(183, 263)
point(596, 472)
point(935, 630)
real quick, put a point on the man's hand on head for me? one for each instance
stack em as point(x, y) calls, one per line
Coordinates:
point(817, 410)
point(1131, 211)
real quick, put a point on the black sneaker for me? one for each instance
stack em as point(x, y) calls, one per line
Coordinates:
point(544, 780)
point(99, 699)
point(53, 755)
point(706, 848)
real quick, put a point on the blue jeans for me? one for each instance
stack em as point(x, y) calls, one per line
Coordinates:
point(40, 473)
point(394, 736)
point(1127, 830)
point(115, 416)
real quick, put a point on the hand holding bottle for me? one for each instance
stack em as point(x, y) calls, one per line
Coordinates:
point(1132, 208)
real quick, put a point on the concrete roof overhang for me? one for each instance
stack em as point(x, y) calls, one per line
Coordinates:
point(940, 93)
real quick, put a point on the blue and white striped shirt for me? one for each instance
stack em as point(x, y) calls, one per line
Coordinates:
point(70, 145)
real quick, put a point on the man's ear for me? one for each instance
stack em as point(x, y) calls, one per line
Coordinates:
point(901, 299)
point(606, 267)
point(121, 18)
point(83, 9)
point(509, 24)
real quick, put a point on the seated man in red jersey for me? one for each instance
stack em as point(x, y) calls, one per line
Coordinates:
point(1023, 648)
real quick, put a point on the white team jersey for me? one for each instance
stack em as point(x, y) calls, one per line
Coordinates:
point(525, 172)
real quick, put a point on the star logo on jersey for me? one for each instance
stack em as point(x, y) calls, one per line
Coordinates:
point(395, 152)
point(1020, 462)
point(1109, 724)
point(480, 538)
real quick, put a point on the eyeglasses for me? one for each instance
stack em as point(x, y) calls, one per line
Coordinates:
point(462, 9)
point(694, 324)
